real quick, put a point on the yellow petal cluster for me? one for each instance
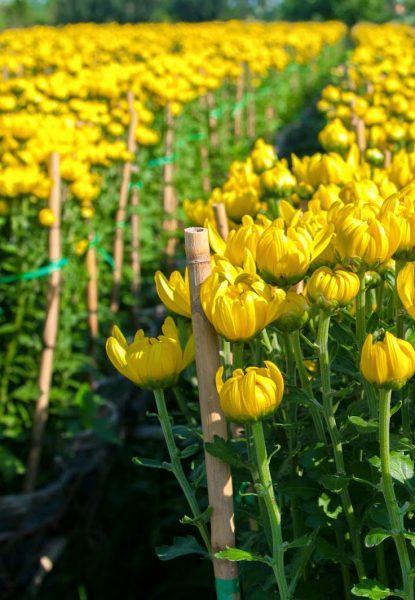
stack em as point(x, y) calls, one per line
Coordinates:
point(251, 395)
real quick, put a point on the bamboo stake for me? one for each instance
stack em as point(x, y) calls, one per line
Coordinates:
point(50, 330)
point(204, 151)
point(135, 252)
point(213, 121)
point(361, 135)
point(219, 210)
point(169, 196)
point(121, 214)
point(213, 421)
point(92, 290)
point(135, 231)
point(238, 113)
point(388, 158)
point(251, 104)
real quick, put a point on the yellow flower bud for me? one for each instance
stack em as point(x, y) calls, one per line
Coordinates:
point(406, 287)
point(366, 241)
point(174, 292)
point(388, 363)
point(250, 396)
point(151, 363)
point(87, 212)
point(284, 257)
point(46, 217)
point(263, 156)
point(277, 182)
point(239, 304)
point(335, 137)
point(81, 246)
point(330, 288)
point(292, 313)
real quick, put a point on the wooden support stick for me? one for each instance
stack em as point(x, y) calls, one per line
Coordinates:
point(204, 150)
point(219, 210)
point(50, 330)
point(251, 105)
point(388, 158)
point(218, 474)
point(212, 120)
point(122, 213)
point(135, 253)
point(238, 113)
point(92, 290)
point(361, 135)
point(169, 196)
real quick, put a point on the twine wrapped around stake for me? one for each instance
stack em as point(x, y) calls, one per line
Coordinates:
point(50, 330)
point(218, 474)
point(122, 212)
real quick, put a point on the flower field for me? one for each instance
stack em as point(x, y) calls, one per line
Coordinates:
point(222, 312)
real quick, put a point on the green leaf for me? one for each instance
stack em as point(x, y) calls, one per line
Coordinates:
point(300, 542)
point(225, 451)
point(335, 483)
point(181, 547)
point(327, 552)
point(371, 589)
point(204, 517)
point(402, 467)
point(189, 450)
point(151, 463)
point(410, 536)
point(324, 502)
point(376, 537)
point(237, 554)
point(363, 426)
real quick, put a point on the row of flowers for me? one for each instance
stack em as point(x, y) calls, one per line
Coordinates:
point(315, 287)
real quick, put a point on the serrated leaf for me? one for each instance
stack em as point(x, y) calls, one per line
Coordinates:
point(376, 537)
point(402, 467)
point(181, 547)
point(363, 426)
point(237, 554)
point(371, 589)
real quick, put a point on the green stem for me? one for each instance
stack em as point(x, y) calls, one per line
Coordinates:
point(255, 476)
point(361, 311)
point(176, 466)
point(266, 489)
point(324, 359)
point(394, 512)
point(361, 336)
point(307, 387)
point(399, 313)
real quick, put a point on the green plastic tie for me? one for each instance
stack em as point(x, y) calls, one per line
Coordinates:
point(53, 265)
point(226, 589)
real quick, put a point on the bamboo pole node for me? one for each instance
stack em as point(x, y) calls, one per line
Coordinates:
point(219, 210)
point(50, 331)
point(218, 474)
